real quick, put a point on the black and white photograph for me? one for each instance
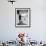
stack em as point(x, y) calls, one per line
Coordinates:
point(22, 17)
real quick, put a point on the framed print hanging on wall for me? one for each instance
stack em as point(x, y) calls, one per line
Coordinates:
point(22, 17)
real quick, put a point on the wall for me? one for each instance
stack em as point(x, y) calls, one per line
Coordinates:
point(37, 30)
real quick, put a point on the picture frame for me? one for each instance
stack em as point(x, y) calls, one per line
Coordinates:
point(22, 17)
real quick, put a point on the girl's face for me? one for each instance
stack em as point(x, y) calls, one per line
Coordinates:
point(24, 17)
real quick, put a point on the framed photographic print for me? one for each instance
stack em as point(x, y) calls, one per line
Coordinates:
point(22, 17)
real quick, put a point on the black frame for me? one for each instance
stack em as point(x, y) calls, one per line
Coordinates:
point(29, 18)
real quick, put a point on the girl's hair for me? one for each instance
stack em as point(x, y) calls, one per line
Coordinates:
point(18, 12)
point(19, 17)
